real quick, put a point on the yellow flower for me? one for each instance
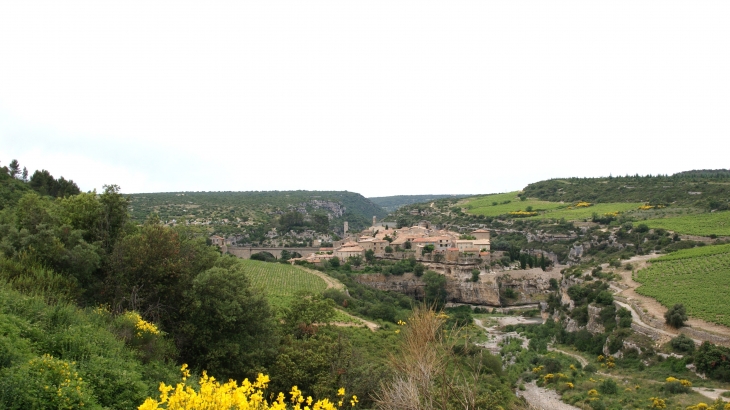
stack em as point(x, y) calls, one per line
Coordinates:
point(341, 391)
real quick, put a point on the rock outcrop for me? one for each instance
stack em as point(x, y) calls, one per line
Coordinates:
point(528, 286)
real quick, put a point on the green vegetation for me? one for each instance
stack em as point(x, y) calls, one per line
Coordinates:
point(503, 204)
point(282, 282)
point(57, 356)
point(14, 183)
point(716, 223)
point(392, 203)
point(676, 316)
point(696, 278)
point(709, 190)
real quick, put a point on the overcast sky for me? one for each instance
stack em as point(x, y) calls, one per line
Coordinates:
point(377, 97)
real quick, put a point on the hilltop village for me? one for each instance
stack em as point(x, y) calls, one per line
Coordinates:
point(420, 241)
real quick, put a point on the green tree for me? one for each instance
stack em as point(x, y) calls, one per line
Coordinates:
point(388, 249)
point(475, 275)
point(14, 168)
point(335, 262)
point(427, 249)
point(418, 269)
point(407, 245)
point(370, 256)
point(231, 328)
point(355, 260)
point(305, 311)
point(676, 316)
point(435, 290)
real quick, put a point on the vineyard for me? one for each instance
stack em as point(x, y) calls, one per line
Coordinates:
point(716, 223)
point(697, 278)
point(282, 282)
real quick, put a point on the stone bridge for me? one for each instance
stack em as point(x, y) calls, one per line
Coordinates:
point(246, 252)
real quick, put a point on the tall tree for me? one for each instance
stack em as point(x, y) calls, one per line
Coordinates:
point(14, 168)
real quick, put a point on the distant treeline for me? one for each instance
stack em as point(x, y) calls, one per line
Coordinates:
point(692, 188)
point(392, 203)
point(14, 182)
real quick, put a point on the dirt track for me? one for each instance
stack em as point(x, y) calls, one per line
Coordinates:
point(543, 399)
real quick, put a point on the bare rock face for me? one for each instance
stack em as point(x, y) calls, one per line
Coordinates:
point(528, 286)
point(572, 326)
point(594, 320)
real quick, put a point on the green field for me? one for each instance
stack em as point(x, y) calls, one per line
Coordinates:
point(484, 205)
point(717, 223)
point(576, 214)
point(547, 210)
point(699, 278)
point(282, 282)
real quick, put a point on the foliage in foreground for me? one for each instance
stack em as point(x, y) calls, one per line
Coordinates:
point(436, 368)
point(211, 394)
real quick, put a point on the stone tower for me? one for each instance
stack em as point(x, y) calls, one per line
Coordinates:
point(375, 220)
point(345, 230)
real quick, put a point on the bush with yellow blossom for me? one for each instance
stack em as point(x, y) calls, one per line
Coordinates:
point(212, 395)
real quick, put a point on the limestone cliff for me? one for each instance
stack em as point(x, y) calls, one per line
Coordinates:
point(528, 286)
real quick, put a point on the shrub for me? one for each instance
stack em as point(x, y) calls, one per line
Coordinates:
point(44, 382)
point(676, 316)
point(608, 387)
point(676, 386)
point(683, 343)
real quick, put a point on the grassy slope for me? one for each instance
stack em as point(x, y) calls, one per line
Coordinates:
point(391, 203)
point(697, 278)
point(484, 206)
point(717, 223)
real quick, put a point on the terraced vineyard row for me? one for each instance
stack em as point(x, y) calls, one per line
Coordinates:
point(282, 282)
point(697, 278)
point(716, 223)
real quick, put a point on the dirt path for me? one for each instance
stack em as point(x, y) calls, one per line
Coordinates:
point(329, 280)
point(371, 325)
point(651, 306)
point(543, 399)
point(710, 393)
point(336, 284)
point(583, 361)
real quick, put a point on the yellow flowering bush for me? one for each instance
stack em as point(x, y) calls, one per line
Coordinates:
point(142, 326)
point(583, 204)
point(674, 385)
point(657, 403)
point(593, 393)
point(537, 369)
point(212, 395)
point(569, 385)
point(522, 214)
point(46, 382)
